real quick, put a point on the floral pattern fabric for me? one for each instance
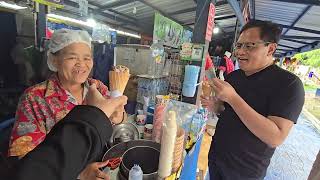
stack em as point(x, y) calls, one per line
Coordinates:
point(39, 109)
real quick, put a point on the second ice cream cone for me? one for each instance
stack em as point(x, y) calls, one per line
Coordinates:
point(206, 89)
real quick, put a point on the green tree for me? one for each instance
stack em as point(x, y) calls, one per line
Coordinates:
point(310, 58)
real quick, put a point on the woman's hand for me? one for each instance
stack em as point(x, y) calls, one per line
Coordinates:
point(118, 115)
point(108, 106)
point(92, 172)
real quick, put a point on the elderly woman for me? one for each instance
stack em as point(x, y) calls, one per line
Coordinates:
point(43, 105)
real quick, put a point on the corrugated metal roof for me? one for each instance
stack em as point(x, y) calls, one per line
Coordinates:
point(103, 2)
point(292, 32)
point(286, 13)
point(229, 29)
point(120, 12)
point(186, 17)
point(290, 43)
point(285, 48)
point(103, 19)
point(169, 6)
point(278, 12)
point(142, 11)
point(311, 19)
point(228, 22)
point(224, 10)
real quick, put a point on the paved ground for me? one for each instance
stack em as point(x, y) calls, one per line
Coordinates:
point(293, 160)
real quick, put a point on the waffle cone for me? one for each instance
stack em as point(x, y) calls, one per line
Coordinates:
point(178, 150)
point(119, 78)
point(206, 89)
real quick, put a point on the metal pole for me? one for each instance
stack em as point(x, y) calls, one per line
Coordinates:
point(40, 23)
point(237, 10)
point(198, 37)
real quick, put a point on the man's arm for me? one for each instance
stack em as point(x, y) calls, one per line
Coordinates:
point(283, 111)
point(272, 130)
point(72, 143)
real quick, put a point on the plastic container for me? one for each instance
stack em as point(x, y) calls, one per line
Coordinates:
point(190, 80)
point(135, 173)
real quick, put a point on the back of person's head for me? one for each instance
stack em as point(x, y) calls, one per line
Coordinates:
point(269, 32)
point(218, 51)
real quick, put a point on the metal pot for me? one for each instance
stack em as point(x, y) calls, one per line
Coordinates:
point(123, 133)
point(119, 149)
point(146, 157)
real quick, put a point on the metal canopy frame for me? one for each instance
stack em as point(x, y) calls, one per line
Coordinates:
point(300, 29)
point(298, 18)
point(99, 12)
point(307, 2)
point(217, 19)
point(183, 11)
point(316, 38)
point(287, 50)
point(109, 12)
point(297, 41)
point(122, 14)
point(115, 4)
point(125, 20)
point(294, 38)
point(286, 46)
point(163, 13)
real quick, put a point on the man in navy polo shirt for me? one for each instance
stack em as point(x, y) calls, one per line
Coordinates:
point(262, 103)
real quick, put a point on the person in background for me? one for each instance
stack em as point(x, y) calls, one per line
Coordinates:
point(293, 65)
point(75, 141)
point(276, 61)
point(217, 54)
point(209, 64)
point(45, 104)
point(236, 65)
point(256, 119)
point(226, 65)
point(218, 51)
point(286, 63)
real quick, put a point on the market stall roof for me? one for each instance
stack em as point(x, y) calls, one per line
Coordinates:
point(138, 15)
point(299, 19)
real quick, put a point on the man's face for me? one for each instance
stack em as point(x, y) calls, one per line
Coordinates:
point(252, 52)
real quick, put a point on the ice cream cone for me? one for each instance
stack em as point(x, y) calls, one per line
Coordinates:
point(178, 150)
point(119, 78)
point(206, 89)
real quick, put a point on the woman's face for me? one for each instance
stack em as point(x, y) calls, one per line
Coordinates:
point(74, 63)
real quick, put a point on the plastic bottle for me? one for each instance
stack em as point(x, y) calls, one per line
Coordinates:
point(135, 173)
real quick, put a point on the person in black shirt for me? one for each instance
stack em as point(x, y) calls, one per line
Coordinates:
point(75, 141)
point(262, 103)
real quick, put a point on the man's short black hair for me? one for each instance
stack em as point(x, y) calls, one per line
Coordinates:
point(269, 31)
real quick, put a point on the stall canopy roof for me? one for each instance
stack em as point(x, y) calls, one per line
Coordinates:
point(120, 13)
point(299, 19)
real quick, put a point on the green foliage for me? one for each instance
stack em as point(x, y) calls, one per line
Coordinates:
point(310, 58)
point(310, 87)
